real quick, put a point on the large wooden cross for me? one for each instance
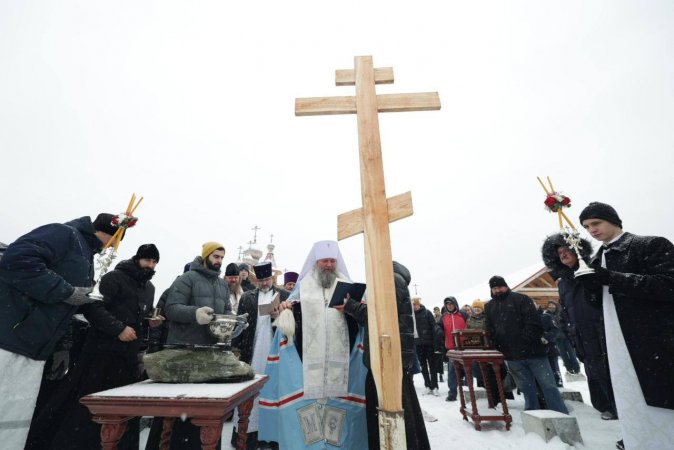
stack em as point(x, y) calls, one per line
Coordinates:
point(373, 220)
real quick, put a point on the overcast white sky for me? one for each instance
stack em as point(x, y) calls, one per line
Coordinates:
point(191, 104)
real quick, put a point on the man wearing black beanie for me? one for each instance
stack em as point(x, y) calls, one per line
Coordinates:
point(44, 276)
point(233, 280)
point(515, 328)
point(598, 210)
point(109, 357)
point(634, 280)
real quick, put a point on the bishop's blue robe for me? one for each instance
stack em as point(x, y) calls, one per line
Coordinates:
point(294, 422)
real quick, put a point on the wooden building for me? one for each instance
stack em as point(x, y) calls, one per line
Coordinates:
point(539, 286)
point(534, 281)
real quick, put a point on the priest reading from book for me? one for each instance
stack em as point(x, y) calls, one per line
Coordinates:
point(262, 306)
point(315, 397)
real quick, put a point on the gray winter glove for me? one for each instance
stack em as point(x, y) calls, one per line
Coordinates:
point(79, 297)
point(204, 315)
point(59, 365)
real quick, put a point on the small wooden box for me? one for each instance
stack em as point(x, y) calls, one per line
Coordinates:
point(471, 340)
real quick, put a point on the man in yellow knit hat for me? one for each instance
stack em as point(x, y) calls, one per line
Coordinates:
point(193, 299)
point(195, 296)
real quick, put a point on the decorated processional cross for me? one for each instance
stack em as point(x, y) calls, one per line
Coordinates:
point(556, 202)
point(373, 221)
point(109, 252)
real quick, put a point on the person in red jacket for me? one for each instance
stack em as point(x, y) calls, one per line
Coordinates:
point(452, 319)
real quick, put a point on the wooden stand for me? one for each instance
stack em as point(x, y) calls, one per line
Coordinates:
point(206, 404)
point(465, 359)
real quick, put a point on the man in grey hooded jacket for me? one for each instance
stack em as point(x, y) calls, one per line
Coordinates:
point(193, 299)
point(195, 296)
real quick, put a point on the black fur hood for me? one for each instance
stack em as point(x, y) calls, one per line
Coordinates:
point(551, 259)
point(402, 271)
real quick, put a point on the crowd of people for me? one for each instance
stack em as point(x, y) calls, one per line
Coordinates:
point(58, 343)
point(616, 321)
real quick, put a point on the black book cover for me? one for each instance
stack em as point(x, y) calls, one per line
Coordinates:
point(355, 290)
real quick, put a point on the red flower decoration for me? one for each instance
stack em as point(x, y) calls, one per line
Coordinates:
point(124, 220)
point(556, 201)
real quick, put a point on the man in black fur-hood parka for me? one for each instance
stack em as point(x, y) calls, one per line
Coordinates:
point(551, 257)
point(583, 318)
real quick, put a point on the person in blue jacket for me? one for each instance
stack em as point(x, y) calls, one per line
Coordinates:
point(44, 276)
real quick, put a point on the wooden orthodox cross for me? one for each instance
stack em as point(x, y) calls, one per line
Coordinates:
point(372, 220)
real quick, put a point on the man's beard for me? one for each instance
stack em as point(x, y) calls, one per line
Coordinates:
point(234, 288)
point(212, 266)
point(502, 295)
point(326, 278)
point(146, 273)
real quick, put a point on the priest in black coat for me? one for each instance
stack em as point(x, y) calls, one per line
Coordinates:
point(634, 278)
point(262, 305)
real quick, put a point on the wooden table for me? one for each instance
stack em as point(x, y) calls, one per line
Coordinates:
point(465, 359)
point(206, 404)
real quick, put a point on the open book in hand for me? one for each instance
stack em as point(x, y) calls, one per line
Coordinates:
point(355, 290)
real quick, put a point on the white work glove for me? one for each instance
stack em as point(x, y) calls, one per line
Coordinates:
point(79, 297)
point(204, 315)
point(544, 341)
point(286, 323)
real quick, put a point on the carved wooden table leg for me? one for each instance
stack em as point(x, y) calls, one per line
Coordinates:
point(501, 393)
point(242, 427)
point(112, 430)
point(484, 368)
point(210, 431)
point(166, 431)
point(473, 403)
point(459, 389)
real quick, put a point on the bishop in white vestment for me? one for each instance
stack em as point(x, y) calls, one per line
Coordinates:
point(322, 404)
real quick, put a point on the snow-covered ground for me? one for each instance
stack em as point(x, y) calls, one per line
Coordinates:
point(450, 430)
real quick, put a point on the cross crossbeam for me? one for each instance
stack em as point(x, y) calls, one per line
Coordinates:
point(347, 77)
point(351, 223)
point(422, 101)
